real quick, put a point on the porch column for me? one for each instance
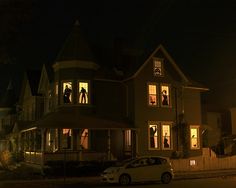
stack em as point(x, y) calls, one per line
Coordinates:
point(42, 145)
point(109, 144)
point(133, 144)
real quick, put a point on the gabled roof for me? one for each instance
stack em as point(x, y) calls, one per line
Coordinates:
point(75, 47)
point(185, 79)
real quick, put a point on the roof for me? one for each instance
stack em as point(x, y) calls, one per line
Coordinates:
point(75, 46)
point(33, 77)
point(69, 117)
point(9, 98)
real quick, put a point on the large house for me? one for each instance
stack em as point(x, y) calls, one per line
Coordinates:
point(89, 112)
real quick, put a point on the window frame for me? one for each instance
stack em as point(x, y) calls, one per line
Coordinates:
point(161, 60)
point(78, 92)
point(197, 127)
point(62, 92)
point(61, 139)
point(170, 136)
point(157, 124)
point(157, 94)
point(169, 96)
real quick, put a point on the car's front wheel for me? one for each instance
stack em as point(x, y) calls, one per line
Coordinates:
point(166, 178)
point(124, 179)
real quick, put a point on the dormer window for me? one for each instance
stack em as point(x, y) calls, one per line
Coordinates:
point(83, 92)
point(157, 67)
point(67, 92)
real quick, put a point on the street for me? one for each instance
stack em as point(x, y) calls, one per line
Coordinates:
point(219, 182)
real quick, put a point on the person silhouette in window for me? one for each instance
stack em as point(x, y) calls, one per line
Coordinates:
point(153, 130)
point(67, 93)
point(83, 95)
point(166, 144)
point(164, 98)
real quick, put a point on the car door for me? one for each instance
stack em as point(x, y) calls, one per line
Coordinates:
point(138, 170)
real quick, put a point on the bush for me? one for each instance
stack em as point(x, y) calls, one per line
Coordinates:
point(5, 159)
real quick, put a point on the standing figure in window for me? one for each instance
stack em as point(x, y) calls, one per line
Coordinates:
point(67, 93)
point(153, 130)
point(83, 93)
point(166, 144)
point(164, 98)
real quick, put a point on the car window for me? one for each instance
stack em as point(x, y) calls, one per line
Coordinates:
point(155, 161)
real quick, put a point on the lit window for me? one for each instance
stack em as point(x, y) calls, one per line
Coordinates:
point(194, 137)
point(83, 92)
point(152, 94)
point(67, 138)
point(153, 136)
point(192, 162)
point(56, 93)
point(166, 136)
point(165, 95)
point(67, 92)
point(128, 140)
point(84, 139)
point(157, 67)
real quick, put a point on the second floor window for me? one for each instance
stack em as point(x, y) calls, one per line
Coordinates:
point(67, 92)
point(152, 94)
point(165, 95)
point(83, 92)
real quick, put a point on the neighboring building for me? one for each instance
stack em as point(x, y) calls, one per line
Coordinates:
point(7, 117)
point(94, 113)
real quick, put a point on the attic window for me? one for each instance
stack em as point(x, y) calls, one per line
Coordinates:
point(157, 67)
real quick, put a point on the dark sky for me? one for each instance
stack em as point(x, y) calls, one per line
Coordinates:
point(199, 35)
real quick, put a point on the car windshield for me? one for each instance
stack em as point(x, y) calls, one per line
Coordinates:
point(123, 162)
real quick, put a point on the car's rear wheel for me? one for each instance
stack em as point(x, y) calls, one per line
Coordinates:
point(124, 179)
point(166, 178)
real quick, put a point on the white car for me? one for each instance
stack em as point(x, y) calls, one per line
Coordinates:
point(140, 169)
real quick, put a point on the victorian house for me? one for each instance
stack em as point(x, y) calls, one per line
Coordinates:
point(93, 113)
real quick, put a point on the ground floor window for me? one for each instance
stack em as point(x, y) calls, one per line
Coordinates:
point(127, 140)
point(159, 135)
point(66, 138)
point(194, 137)
point(84, 142)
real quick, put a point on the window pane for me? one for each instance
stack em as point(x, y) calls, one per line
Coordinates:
point(157, 68)
point(166, 136)
point(66, 138)
point(83, 92)
point(194, 138)
point(84, 139)
point(67, 92)
point(165, 95)
point(153, 134)
point(128, 140)
point(152, 94)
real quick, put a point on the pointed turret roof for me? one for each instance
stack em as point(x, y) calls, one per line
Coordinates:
point(75, 46)
point(9, 98)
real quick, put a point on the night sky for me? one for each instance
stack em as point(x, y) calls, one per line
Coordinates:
point(199, 35)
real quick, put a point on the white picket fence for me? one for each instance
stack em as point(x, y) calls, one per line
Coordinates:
point(208, 161)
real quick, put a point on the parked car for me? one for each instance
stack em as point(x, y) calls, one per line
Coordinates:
point(141, 169)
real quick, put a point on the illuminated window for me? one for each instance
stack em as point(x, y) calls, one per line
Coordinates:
point(56, 93)
point(194, 137)
point(166, 136)
point(157, 67)
point(67, 92)
point(127, 140)
point(152, 94)
point(192, 162)
point(153, 136)
point(84, 139)
point(165, 95)
point(67, 138)
point(83, 92)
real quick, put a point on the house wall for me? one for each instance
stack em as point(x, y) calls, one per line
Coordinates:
point(233, 120)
